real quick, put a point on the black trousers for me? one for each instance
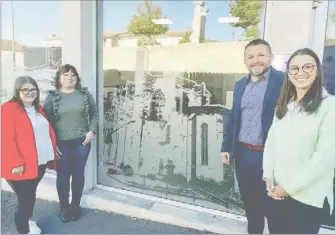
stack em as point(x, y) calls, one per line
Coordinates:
point(290, 216)
point(25, 191)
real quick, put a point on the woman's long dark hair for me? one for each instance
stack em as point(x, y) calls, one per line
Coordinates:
point(17, 87)
point(64, 69)
point(312, 99)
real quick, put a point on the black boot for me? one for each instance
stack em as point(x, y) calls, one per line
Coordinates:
point(75, 212)
point(65, 213)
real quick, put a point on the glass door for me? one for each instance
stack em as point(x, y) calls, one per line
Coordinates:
point(324, 45)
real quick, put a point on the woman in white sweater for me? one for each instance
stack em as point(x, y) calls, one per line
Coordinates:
point(299, 154)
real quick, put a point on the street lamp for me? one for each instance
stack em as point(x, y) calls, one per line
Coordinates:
point(162, 21)
point(13, 39)
point(227, 20)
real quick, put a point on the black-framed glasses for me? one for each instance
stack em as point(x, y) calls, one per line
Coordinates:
point(26, 91)
point(307, 68)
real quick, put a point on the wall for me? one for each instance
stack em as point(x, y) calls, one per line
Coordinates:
point(168, 41)
point(7, 59)
point(183, 58)
point(126, 42)
point(302, 24)
point(287, 25)
point(79, 47)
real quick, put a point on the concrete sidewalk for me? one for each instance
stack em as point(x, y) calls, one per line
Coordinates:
point(92, 221)
point(149, 209)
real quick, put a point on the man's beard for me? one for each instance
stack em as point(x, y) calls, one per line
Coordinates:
point(258, 73)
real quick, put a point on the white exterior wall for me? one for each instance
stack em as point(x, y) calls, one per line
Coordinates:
point(7, 59)
point(287, 25)
point(291, 25)
point(132, 42)
point(127, 42)
point(78, 25)
point(168, 41)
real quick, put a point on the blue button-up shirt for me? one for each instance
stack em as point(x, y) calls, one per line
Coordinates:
point(251, 111)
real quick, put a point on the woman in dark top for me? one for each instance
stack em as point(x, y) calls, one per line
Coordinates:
point(73, 113)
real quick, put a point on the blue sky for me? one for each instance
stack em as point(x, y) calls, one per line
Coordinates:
point(37, 20)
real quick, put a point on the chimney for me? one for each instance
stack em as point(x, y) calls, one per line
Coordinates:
point(199, 22)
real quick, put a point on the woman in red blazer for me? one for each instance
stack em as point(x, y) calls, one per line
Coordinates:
point(28, 147)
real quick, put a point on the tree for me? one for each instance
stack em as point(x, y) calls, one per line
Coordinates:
point(186, 38)
point(249, 12)
point(141, 23)
point(252, 32)
point(332, 16)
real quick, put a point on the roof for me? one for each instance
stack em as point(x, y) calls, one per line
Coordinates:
point(6, 45)
point(129, 34)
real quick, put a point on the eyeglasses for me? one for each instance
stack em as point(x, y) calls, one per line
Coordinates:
point(26, 91)
point(307, 68)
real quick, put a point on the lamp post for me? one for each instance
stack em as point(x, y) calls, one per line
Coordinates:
point(13, 39)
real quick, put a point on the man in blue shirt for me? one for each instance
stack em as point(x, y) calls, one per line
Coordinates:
point(254, 100)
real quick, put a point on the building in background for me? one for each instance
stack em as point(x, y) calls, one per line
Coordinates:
point(7, 51)
point(127, 39)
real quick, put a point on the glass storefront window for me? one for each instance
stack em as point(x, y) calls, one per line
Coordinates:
point(28, 46)
point(169, 70)
point(329, 50)
point(328, 63)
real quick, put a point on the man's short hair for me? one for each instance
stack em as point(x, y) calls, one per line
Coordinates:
point(257, 42)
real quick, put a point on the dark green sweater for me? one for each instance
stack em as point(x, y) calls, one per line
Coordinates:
point(71, 115)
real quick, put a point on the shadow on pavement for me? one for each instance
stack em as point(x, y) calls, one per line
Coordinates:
point(92, 221)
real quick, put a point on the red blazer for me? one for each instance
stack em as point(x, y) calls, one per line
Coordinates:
point(18, 142)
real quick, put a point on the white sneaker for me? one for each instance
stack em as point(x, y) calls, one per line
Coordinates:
point(33, 228)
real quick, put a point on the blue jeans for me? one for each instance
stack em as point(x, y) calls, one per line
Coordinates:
point(72, 162)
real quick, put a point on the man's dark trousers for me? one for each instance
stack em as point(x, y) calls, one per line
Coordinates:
point(248, 166)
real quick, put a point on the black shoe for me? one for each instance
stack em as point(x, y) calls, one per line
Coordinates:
point(65, 213)
point(75, 212)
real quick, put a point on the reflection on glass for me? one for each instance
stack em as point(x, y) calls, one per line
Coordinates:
point(329, 70)
point(29, 47)
point(168, 81)
point(329, 51)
